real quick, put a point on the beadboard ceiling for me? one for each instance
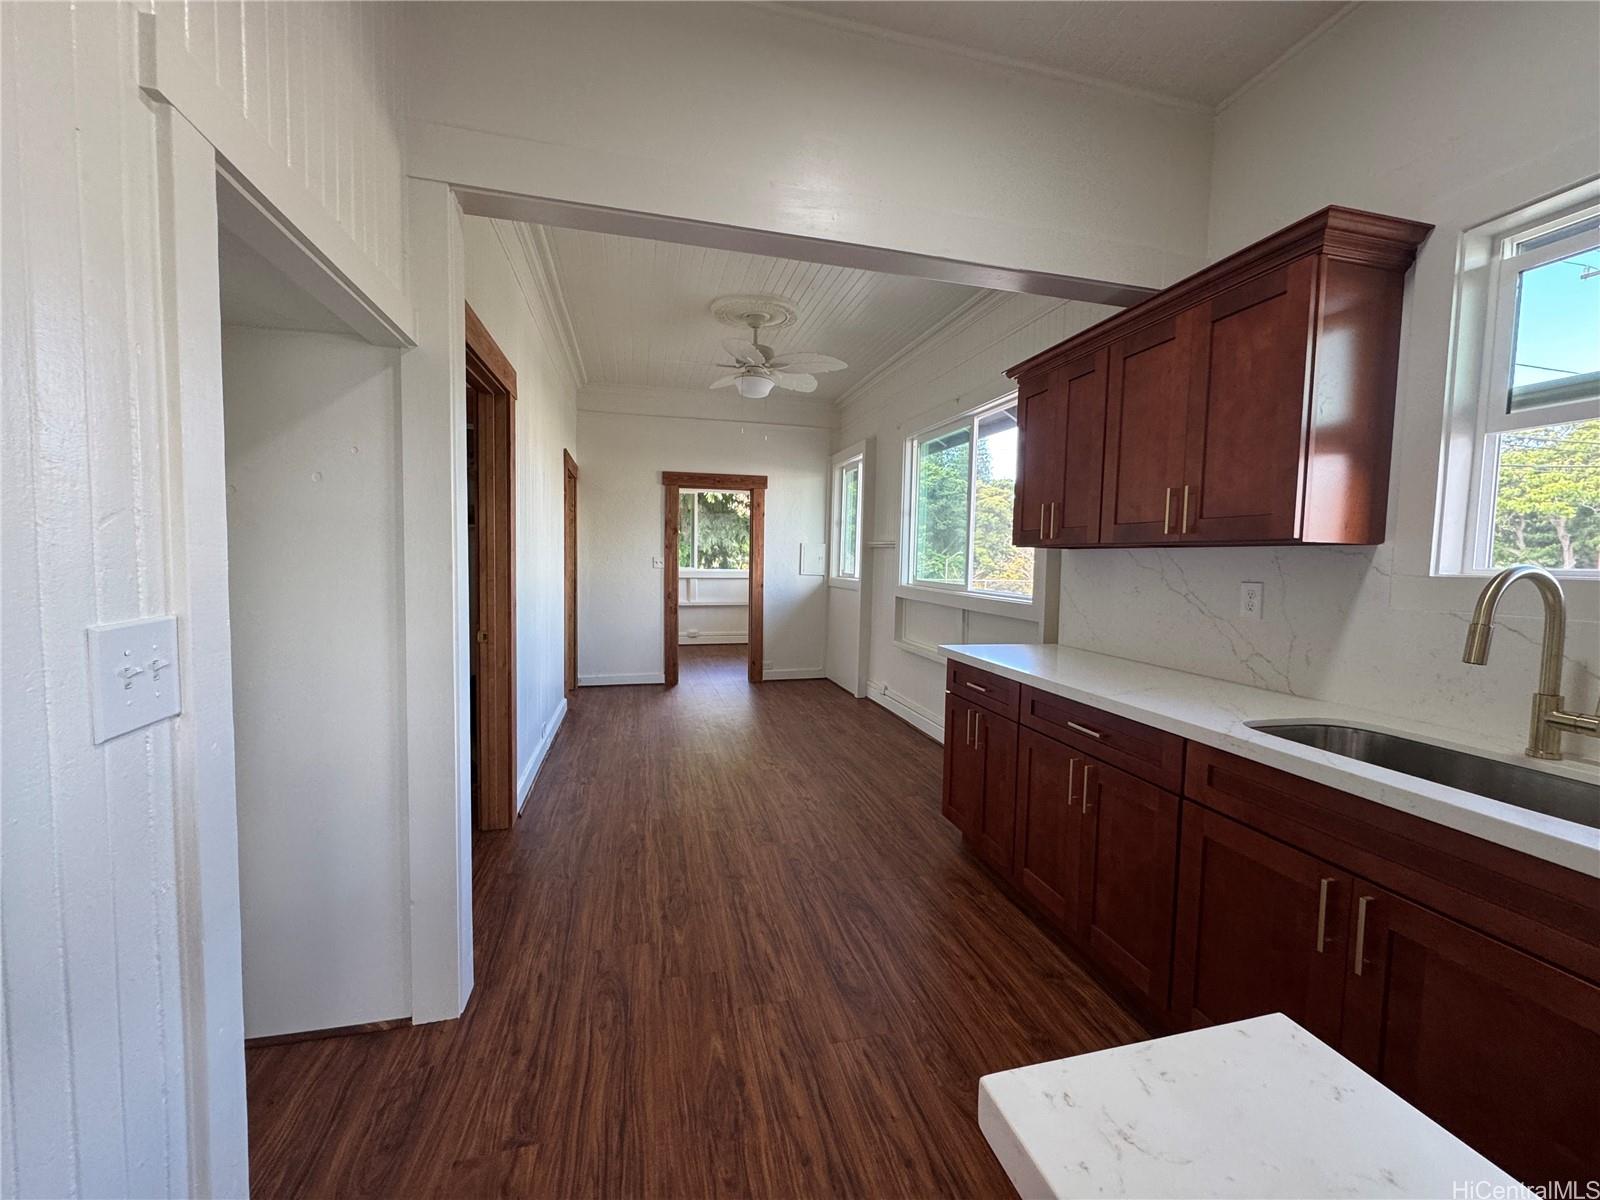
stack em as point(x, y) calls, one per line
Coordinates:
point(1197, 51)
point(640, 310)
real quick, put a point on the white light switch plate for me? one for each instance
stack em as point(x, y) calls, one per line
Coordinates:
point(133, 674)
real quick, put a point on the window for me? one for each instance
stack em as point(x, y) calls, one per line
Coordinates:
point(714, 531)
point(1536, 491)
point(847, 530)
point(962, 485)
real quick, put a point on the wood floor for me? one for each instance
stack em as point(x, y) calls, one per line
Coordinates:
point(729, 949)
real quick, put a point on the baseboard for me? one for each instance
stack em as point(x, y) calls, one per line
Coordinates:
point(908, 711)
point(546, 737)
point(713, 639)
point(771, 673)
point(619, 680)
point(312, 1035)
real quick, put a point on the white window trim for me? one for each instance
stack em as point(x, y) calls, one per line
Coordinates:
point(908, 588)
point(856, 455)
point(1484, 317)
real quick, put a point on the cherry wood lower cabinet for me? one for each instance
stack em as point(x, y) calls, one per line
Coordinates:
point(980, 778)
point(1049, 828)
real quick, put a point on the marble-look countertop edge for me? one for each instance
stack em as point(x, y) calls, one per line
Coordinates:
point(1151, 700)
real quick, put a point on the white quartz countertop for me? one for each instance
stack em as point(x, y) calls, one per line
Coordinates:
point(1256, 1108)
point(1217, 713)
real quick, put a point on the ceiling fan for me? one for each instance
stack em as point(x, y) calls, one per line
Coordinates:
point(757, 370)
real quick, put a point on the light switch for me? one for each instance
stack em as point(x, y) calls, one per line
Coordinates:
point(133, 674)
point(659, 563)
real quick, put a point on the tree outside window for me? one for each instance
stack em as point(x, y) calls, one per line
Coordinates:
point(714, 531)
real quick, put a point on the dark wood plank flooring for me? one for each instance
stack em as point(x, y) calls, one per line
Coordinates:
point(729, 949)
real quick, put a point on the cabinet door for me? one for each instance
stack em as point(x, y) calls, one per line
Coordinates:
point(1082, 385)
point(995, 739)
point(1047, 825)
point(1147, 401)
point(1041, 424)
point(1128, 875)
point(1501, 1049)
point(1244, 436)
point(963, 767)
point(1261, 929)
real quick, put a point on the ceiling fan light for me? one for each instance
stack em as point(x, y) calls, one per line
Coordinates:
point(753, 387)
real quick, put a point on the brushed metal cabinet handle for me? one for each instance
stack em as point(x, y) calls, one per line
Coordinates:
point(977, 728)
point(1183, 524)
point(1041, 520)
point(1166, 513)
point(1072, 767)
point(1085, 730)
point(1322, 914)
point(977, 687)
point(1083, 793)
point(1361, 932)
point(1052, 520)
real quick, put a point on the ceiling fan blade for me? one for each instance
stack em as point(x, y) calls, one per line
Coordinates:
point(745, 352)
point(725, 381)
point(795, 381)
point(814, 364)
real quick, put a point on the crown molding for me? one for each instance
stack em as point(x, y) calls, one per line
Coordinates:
point(1059, 74)
point(534, 265)
point(1294, 51)
point(968, 313)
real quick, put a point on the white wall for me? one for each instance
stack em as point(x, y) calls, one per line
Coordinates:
point(314, 563)
point(626, 438)
point(1411, 110)
point(714, 609)
point(839, 135)
point(961, 369)
point(503, 287)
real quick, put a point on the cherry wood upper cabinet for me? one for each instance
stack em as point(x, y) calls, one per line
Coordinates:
point(1041, 424)
point(1252, 402)
point(1499, 1048)
point(1063, 419)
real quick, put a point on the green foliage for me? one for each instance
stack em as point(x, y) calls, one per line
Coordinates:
point(941, 534)
point(723, 536)
point(1547, 497)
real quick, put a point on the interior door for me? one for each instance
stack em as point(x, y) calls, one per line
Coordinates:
point(1147, 400)
point(1499, 1048)
point(1128, 876)
point(963, 766)
point(996, 740)
point(1041, 420)
point(1261, 929)
point(1082, 384)
point(1047, 825)
point(1247, 411)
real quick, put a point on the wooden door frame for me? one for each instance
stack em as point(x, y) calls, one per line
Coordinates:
point(491, 375)
point(673, 482)
point(569, 567)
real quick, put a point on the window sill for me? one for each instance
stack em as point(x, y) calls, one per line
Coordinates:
point(931, 653)
point(710, 573)
point(1017, 609)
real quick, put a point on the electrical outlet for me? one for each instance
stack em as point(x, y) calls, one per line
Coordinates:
point(1250, 600)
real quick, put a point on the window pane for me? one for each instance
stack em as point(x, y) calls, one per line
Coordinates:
point(997, 565)
point(1547, 497)
point(940, 542)
point(849, 519)
point(685, 529)
point(1557, 348)
point(724, 542)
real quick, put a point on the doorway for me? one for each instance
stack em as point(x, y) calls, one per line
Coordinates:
point(569, 526)
point(676, 484)
point(491, 576)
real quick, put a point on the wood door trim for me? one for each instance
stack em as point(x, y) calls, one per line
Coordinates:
point(569, 568)
point(490, 373)
point(674, 483)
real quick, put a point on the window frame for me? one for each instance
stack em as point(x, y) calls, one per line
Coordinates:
point(694, 543)
point(960, 596)
point(842, 463)
point(1493, 415)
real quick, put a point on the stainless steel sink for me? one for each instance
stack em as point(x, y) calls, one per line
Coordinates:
point(1536, 791)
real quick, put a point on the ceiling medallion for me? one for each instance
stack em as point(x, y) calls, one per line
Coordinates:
point(761, 312)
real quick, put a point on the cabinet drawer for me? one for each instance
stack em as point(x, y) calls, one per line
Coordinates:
point(996, 694)
point(1137, 749)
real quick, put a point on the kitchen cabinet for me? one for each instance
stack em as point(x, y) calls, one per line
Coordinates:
point(1127, 875)
point(1251, 403)
point(1260, 929)
point(1500, 1048)
point(1061, 419)
point(980, 776)
point(1048, 827)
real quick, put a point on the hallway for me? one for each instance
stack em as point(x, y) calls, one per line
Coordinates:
point(730, 948)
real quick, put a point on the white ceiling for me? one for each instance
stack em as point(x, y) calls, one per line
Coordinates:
point(255, 292)
point(640, 310)
point(1201, 51)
